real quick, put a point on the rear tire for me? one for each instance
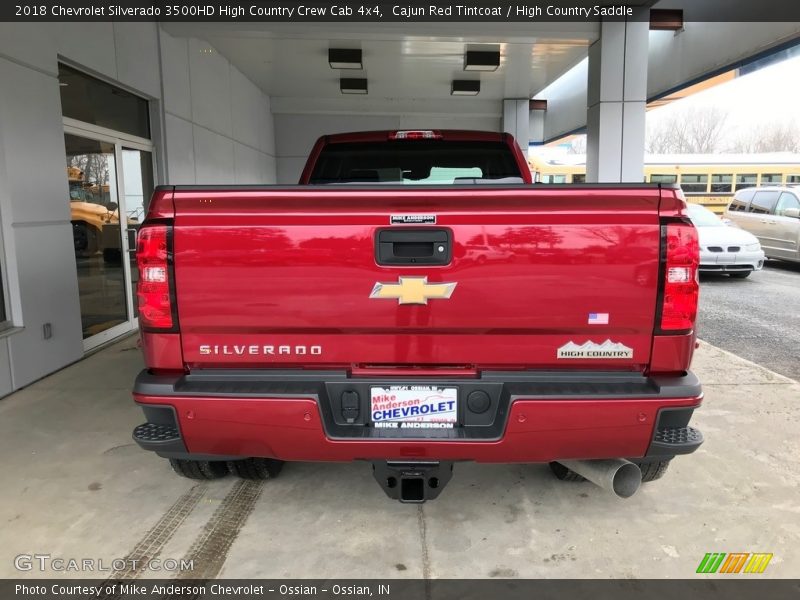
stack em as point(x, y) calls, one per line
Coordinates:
point(740, 275)
point(653, 470)
point(256, 468)
point(199, 469)
point(562, 473)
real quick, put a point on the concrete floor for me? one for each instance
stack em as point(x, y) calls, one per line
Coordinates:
point(75, 486)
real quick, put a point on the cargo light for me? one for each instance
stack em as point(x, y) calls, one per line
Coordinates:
point(681, 287)
point(153, 290)
point(416, 135)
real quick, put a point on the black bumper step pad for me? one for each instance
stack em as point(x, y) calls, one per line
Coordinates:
point(154, 432)
point(162, 438)
point(678, 435)
point(675, 440)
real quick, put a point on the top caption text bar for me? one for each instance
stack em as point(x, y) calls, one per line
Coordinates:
point(332, 11)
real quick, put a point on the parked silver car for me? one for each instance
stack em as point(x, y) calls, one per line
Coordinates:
point(772, 214)
point(725, 248)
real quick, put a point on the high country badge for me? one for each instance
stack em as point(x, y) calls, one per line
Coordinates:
point(607, 349)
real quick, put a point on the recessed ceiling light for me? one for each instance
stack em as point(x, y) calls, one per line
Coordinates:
point(345, 58)
point(481, 60)
point(348, 85)
point(465, 87)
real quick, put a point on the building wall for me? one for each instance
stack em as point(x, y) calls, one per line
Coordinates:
point(567, 100)
point(218, 124)
point(213, 126)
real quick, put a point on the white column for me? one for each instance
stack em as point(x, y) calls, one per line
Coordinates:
point(617, 94)
point(536, 126)
point(515, 120)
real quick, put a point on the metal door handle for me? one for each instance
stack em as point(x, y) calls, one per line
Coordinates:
point(132, 246)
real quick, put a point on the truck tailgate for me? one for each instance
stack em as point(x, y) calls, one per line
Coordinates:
point(543, 277)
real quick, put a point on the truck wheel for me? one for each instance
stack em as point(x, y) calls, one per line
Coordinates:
point(256, 468)
point(653, 470)
point(199, 469)
point(562, 473)
point(80, 236)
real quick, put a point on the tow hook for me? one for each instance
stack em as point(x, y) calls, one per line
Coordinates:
point(412, 481)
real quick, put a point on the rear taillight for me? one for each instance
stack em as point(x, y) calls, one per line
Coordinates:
point(416, 135)
point(154, 289)
point(681, 287)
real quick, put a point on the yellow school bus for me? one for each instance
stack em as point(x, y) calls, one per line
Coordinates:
point(707, 179)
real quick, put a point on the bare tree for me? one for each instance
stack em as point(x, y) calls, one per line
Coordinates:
point(704, 129)
point(660, 139)
point(577, 145)
point(695, 130)
point(775, 136)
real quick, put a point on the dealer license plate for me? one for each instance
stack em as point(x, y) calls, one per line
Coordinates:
point(414, 406)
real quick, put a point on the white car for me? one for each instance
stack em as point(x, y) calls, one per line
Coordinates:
point(725, 248)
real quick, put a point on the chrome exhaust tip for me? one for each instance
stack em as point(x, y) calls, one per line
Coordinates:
point(617, 475)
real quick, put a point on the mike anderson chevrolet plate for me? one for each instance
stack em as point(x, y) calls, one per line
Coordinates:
point(414, 406)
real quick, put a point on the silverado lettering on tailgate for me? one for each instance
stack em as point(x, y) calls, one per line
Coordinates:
point(256, 350)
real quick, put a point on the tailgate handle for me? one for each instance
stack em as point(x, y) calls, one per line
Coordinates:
point(413, 246)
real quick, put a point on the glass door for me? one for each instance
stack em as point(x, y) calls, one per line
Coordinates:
point(92, 174)
point(109, 166)
point(137, 175)
point(110, 184)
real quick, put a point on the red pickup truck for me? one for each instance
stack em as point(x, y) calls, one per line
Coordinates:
point(416, 302)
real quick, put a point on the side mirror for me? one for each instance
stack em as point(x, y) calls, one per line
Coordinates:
point(792, 212)
point(111, 206)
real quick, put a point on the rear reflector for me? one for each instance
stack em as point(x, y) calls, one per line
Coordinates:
point(153, 257)
point(416, 135)
point(681, 287)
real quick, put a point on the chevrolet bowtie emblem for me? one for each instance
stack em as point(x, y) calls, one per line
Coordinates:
point(413, 290)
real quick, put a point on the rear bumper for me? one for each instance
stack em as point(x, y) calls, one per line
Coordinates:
point(533, 417)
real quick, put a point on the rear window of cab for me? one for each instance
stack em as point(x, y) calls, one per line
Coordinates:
point(414, 162)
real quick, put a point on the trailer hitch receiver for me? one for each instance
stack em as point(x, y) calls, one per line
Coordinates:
point(412, 481)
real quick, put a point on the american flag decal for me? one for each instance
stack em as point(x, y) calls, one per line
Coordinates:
point(598, 318)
